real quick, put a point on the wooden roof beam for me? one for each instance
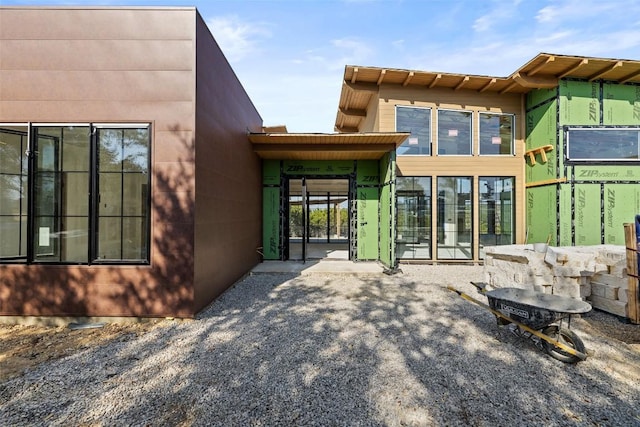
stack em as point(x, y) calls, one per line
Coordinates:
point(462, 83)
point(408, 79)
point(488, 85)
point(381, 78)
point(630, 77)
point(435, 80)
point(353, 112)
point(365, 87)
point(533, 82)
point(604, 71)
point(354, 78)
point(581, 63)
point(508, 88)
point(539, 67)
point(344, 129)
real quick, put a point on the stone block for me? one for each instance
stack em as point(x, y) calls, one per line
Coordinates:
point(566, 286)
point(604, 290)
point(609, 279)
point(585, 291)
point(570, 271)
point(623, 295)
point(618, 308)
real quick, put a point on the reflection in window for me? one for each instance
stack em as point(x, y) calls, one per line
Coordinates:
point(454, 218)
point(62, 219)
point(61, 194)
point(413, 239)
point(13, 193)
point(417, 121)
point(496, 134)
point(607, 144)
point(497, 214)
point(454, 132)
point(123, 185)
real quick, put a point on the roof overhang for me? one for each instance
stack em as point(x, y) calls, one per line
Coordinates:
point(543, 72)
point(321, 146)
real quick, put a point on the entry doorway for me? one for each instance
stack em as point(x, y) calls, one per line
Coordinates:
point(318, 219)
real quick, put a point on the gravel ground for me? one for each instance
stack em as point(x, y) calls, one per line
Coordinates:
point(333, 350)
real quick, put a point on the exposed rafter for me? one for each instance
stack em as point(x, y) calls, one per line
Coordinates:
point(464, 80)
point(488, 85)
point(508, 88)
point(435, 80)
point(604, 71)
point(368, 87)
point(381, 78)
point(535, 70)
point(535, 81)
point(408, 79)
point(353, 112)
point(630, 77)
point(354, 78)
point(581, 63)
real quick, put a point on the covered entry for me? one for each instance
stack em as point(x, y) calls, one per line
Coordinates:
point(328, 195)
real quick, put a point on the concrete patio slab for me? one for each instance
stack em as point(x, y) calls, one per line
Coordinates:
point(319, 266)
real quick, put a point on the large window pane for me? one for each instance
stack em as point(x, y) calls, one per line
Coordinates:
point(455, 218)
point(497, 214)
point(413, 238)
point(606, 144)
point(496, 134)
point(123, 186)
point(13, 193)
point(61, 193)
point(417, 121)
point(454, 132)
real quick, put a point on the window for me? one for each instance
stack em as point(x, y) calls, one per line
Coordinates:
point(496, 134)
point(413, 239)
point(13, 192)
point(497, 214)
point(455, 218)
point(454, 132)
point(603, 144)
point(89, 199)
point(417, 121)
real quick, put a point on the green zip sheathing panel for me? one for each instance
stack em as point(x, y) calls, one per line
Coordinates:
point(565, 229)
point(606, 173)
point(587, 218)
point(539, 96)
point(621, 204)
point(271, 223)
point(579, 103)
point(621, 104)
point(387, 210)
point(317, 167)
point(367, 203)
point(541, 129)
point(270, 172)
point(597, 199)
point(541, 214)
point(271, 209)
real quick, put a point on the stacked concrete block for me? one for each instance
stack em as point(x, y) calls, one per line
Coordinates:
point(559, 270)
point(609, 293)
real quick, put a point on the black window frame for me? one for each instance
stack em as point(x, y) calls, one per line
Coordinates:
point(92, 243)
point(599, 160)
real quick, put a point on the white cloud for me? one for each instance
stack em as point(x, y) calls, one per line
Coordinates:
point(501, 13)
point(237, 39)
point(352, 51)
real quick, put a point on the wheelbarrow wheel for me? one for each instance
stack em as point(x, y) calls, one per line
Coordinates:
point(566, 337)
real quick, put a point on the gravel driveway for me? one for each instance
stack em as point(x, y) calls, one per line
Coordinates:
point(329, 350)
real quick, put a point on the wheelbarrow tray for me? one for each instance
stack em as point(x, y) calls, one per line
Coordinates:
point(534, 309)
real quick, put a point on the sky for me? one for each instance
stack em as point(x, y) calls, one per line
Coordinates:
point(290, 55)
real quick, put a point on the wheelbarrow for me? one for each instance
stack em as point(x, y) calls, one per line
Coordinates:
point(538, 316)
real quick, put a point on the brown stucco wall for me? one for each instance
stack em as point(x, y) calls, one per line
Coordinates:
point(70, 65)
point(228, 174)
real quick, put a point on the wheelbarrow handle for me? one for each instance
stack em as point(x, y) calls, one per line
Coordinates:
point(539, 334)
